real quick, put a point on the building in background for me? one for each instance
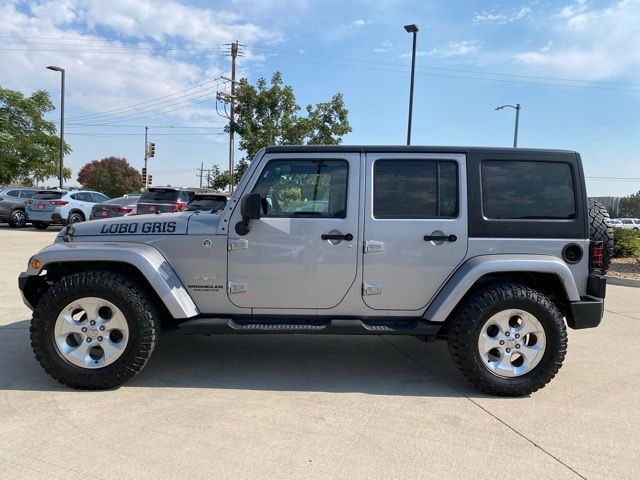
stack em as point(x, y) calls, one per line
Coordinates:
point(612, 204)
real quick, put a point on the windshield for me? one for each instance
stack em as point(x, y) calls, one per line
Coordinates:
point(160, 195)
point(206, 203)
point(48, 195)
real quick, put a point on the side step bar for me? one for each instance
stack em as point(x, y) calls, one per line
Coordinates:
point(344, 326)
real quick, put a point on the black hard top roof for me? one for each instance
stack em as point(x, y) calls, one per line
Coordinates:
point(405, 149)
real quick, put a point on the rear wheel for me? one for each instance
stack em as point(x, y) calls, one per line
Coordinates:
point(94, 330)
point(75, 217)
point(600, 230)
point(508, 340)
point(18, 219)
point(40, 225)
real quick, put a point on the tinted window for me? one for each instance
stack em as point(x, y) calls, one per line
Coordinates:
point(83, 197)
point(160, 195)
point(627, 222)
point(13, 193)
point(48, 195)
point(415, 189)
point(523, 189)
point(207, 203)
point(98, 197)
point(304, 188)
point(27, 193)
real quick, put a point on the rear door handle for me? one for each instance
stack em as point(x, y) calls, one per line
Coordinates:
point(329, 236)
point(441, 238)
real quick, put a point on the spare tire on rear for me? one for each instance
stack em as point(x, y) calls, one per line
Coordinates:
point(600, 230)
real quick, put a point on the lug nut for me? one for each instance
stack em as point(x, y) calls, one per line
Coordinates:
point(506, 333)
point(517, 345)
point(501, 342)
point(517, 336)
point(508, 350)
point(84, 329)
point(92, 322)
point(88, 339)
point(102, 328)
point(99, 339)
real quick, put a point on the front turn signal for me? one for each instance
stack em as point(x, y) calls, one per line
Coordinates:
point(36, 264)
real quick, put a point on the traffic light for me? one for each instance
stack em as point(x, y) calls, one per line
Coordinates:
point(144, 176)
point(151, 150)
point(150, 180)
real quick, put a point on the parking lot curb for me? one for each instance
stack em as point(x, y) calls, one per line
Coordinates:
point(624, 282)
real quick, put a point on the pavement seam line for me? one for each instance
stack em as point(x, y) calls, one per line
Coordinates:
point(622, 314)
point(536, 445)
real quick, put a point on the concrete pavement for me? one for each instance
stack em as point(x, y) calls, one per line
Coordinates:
point(316, 407)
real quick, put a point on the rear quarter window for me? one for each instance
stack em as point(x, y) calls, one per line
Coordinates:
point(521, 190)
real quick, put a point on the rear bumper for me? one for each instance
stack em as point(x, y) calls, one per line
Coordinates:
point(588, 312)
point(44, 216)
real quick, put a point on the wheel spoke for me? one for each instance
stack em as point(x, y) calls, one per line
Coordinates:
point(91, 307)
point(116, 322)
point(79, 353)
point(487, 343)
point(504, 367)
point(110, 348)
point(67, 325)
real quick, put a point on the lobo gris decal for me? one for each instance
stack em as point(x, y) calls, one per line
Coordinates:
point(138, 228)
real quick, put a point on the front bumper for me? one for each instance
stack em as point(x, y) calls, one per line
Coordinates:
point(588, 312)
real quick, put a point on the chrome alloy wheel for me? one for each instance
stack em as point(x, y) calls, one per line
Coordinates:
point(511, 343)
point(91, 332)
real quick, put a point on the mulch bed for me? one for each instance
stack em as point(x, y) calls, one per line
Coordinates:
point(628, 268)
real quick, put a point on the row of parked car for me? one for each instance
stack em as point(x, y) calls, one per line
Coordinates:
point(627, 223)
point(22, 205)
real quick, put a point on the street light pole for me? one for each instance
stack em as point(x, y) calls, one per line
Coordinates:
point(515, 133)
point(146, 156)
point(61, 70)
point(413, 29)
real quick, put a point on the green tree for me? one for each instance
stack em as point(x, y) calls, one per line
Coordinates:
point(630, 206)
point(29, 144)
point(269, 115)
point(219, 179)
point(112, 176)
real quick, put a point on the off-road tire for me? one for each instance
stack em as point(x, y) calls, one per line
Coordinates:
point(18, 219)
point(468, 319)
point(600, 230)
point(141, 316)
point(40, 225)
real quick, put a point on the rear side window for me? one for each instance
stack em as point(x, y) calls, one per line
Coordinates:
point(527, 190)
point(160, 195)
point(83, 197)
point(48, 195)
point(98, 197)
point(415, 189)
point(27, 193)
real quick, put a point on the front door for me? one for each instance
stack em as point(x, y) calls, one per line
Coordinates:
point(286, 260)
point(415, 232)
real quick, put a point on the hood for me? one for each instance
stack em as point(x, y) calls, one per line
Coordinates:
point(154, 224)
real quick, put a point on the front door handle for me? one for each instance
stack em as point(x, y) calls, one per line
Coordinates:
point(440, 238)
point(331, 236)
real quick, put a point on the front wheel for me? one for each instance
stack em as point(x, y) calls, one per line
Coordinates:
point(18, 219)
point(75, 217)
point(94, 330)
point(508, 340)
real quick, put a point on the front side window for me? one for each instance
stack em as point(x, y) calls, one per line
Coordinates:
point(13, 193)
point(409, 189)
point(527, 190)
point(304, 188)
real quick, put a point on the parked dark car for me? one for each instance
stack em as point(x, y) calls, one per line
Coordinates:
point(12, 205)
point(116, 207)
point(166, 199)
point(210, 202)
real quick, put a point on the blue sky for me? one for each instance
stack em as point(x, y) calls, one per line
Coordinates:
point(573, 65)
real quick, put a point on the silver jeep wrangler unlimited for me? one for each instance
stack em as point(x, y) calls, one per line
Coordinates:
point(493, 249)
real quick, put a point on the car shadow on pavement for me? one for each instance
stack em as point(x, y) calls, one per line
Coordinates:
point(299, 363)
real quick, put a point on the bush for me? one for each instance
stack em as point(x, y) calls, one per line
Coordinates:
point(626, 243)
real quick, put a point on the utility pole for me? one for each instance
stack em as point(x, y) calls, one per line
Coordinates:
point(201, 172)
point(61, 70)
point(230, 98)
point(146, 155)
point(517, 108)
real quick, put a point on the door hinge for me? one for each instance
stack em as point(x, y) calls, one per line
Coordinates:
point(237, 287)
point(371, 289)
point(372, 246)
point(237, 244)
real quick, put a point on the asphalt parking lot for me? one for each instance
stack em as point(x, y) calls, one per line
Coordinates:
point(316, 407)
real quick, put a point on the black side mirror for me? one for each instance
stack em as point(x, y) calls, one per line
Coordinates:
point(251, 209)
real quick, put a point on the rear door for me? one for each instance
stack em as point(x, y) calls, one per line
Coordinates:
point(284, 262)
point(415, 231)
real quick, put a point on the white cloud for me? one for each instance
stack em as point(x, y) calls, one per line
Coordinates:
point(361, 23)
point(451, 49)
point(575, 8)
point(106, 72)
point(591, 44)
point(502, 18)
point(385, 46)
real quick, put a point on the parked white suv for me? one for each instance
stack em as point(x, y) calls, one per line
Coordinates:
point(62, 207)
point(628, 223)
